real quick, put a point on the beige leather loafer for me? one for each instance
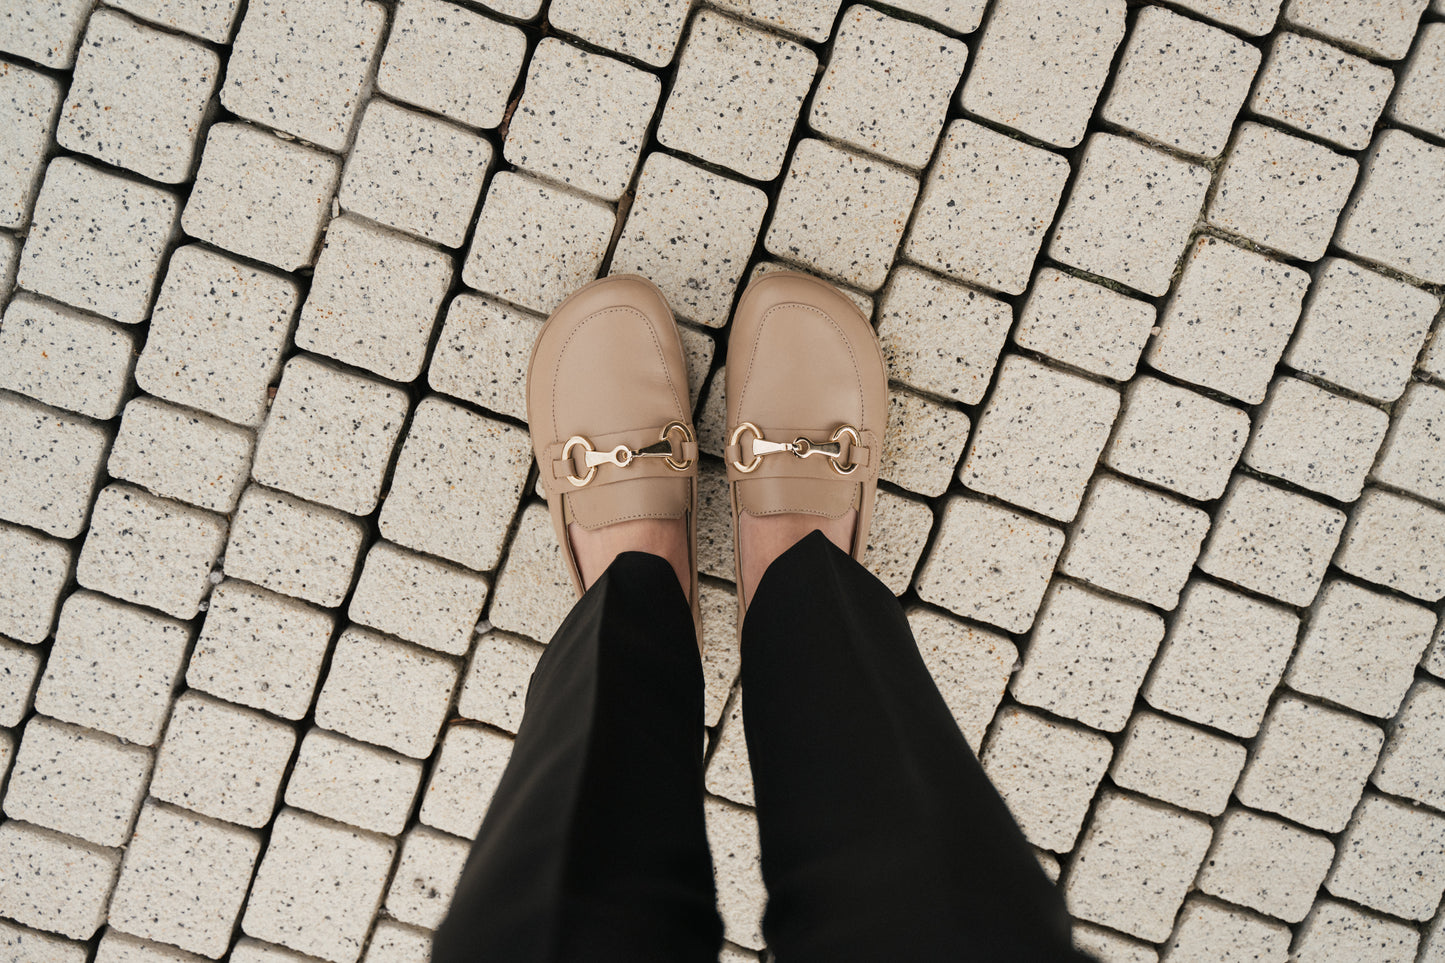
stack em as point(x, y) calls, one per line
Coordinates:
point(608, 409)
point(807, 404)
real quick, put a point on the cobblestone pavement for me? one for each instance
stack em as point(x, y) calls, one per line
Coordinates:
point(1164, 493)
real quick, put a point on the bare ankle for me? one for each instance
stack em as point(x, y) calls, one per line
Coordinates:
point(761, 539)
point(595, 550)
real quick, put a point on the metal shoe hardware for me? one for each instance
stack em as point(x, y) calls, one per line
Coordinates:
point(800, 447)
point(622, 456)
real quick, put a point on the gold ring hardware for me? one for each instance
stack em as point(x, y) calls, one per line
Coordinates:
point(622, 456)
point(800, 447)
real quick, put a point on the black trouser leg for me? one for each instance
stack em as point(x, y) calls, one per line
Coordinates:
point(594, 847)
point(882, 839)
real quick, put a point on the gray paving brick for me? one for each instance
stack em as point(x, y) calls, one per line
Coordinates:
point(9, 263)
point(20, 667)
point(990, 564)
point(222, 761)
point(1222, 658)
point(139, 97)
point(260, 649)
point(463, 777)
point(809, 19)
point(1135, 864)
point(1084, 325)
point(520, 9)
point(55, 883)
point(729, 774)
point(318, 887)
point(1040, 71)
point(1383, 30)
point(386, 693)
point(986, 202)
point(1397, 214)
point(1411, 763)
point(1177, 763)
point(451, 60)
point(248, 950)
point(1434, 661)
point(1228, 320)
point(1392, 859)
point(1046, 772)
point(1418, 102)
point(210, 20)
point(1129, 213)
point(97, 240)
point(1038, 438)
point(52, 462)
point(457, 481)
point(1315, 438)
point(29, 102)
point(47, 32)
point(1361, 330)
point(1180, 83)
point(1339, 931)
point(925, 440)
point(426, 876)
point(184, 880)
point(970, 666)
point(1434, 945)
point(1111, 947)
point(1397, 542)
point(65, 358)
point(293, 547)
point(1266, 864)
point(897, 540)
point(261, 196)
point(1414, 453)
point(1318, 89)
point(721, 658)
point(1272, 541)
point(31, 581)
point(938, 336)
point(484, 351)
point(353, 783)
point(581, 119)
point(418, 599)
point(113, 667)
point(394, 943)
point(178, 454)
point(533, 593)
point(1207, 931)
point(1251, 17)
point(648, 30)
point(116, 947)
point(715, 523)
point(887, 86)
point(494, 689)
point(1177, 439)
point(960, 16)
point(732, 835)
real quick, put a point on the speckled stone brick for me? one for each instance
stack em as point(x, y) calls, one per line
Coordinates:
point(138, 98)
point(353, 783)
point(1135, 864)
point(581, 119)
point(877, 60)
point(1339, 931)
point(1038, 438)
point(1039, 71)
point(260, 196)
point(178, 454)
point(533, 593)
point(841, 213)
point(457, 482)
point(729, 774)
point(1316, 439)
point(1046, 772)
point(222, 761)
point(1272, 541)
point(184, 880)
point(1207, 931)
point(721, 658)
point(386, 693)
point(1135, 542)
point(1321, 90)
point(29, 101)
point(925, 440)
point(534, 244)
point(1177, 763)
point(97, 240)
point(20, 667)
point(64, 358)
point(426, 877)
point(318, 887)
point(1310, 764)
point(809, 19)
point(1392, 859)
point(53, 882)
point(116, 947)
point(1411, 764)
point(690, 232)
point(1129, 214)
point(415, 173)
point(305, 70)
point(1414, 453)
point(1383, 29)
point(1418, 101)
point(1433, 949)
point(985, 205)
point(647, 31)
point(45, 31)
point(960, 16)
point(1084, 325)
point(248, 950)
point(77, 782)
point(1265, 864)
point(9, 262)
point(1180, 83)
point(393, 942)
point(714, 521)
point(293, 547)
point(329, 436)
point(1229, 319)
point(494, 688)
point(698, 349)
point(260, 649)
point(1361, 330)
point(463, 777)
point(150, 550)
point(1250, 17)
point(896, 539)
point(52, 463)
point(732, 835)
point(1111, 947)
point(1397, 215)
point(1177, 439)
point(1282, 191)
point(210, 20)
point(990, 564)
point(33, 574)
point(737, 94)
point(418, 599)
point(1434, 661)
point(938, 336)
point(970, 666)
point(1397, 542)
point(484, 350)
point(452, 60)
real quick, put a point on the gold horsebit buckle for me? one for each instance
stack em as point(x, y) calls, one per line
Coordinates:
point(801, 447)
point(622, 456)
